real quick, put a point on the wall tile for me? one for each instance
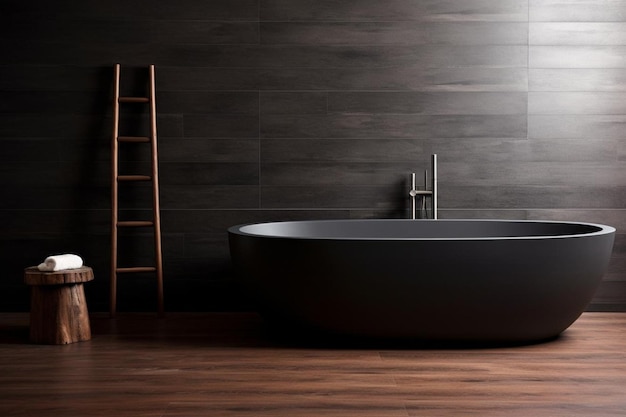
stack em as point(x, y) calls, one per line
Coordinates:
point(578, 33)
point(566, 79)
point(576, 126)
point(393, 33)
point(577, 57)
point(428, 103)
point(576, 10)
point(531, 197)
point(207, 31)
point(207, 196)
point(314, 56)
point(138, 10)
point(215, 173)
point(293, 103)
point(584, 103)
point(343, 150)
point(584, 174)
point(395, 10)
point(207, 150)
point(332, 197)
point(220, 126)
point(273, 110)
point(391, 126)
point(395, 78)
point(63, 77)
point(208, 102)
point(330, 173)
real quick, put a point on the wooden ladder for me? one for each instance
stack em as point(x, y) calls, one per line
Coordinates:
point(116, 179)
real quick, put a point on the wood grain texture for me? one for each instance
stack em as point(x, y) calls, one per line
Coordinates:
point(58, 307)
point(230, 365)
point(33, 276)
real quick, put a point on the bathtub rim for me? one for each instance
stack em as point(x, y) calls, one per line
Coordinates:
point(602, 229)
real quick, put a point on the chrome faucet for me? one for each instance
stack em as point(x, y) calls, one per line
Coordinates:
point(414, 192)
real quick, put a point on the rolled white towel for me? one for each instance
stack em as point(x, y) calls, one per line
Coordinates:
point(59, 262)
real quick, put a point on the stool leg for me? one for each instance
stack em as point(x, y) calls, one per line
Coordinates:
point(58, 314)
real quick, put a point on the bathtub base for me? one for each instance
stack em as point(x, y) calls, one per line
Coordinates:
point(440, 280)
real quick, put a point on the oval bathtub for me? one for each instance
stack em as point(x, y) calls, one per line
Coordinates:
point(440, 280)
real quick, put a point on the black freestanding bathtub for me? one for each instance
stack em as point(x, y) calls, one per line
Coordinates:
point(435, 280)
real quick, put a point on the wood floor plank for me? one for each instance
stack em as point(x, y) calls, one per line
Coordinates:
point(230, 365)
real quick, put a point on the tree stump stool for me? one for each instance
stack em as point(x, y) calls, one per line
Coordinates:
point(58, 308)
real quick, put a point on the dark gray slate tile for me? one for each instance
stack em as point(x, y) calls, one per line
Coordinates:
point(343, 150)
point(584, 174)
point(613, 218)
point(576, 11)
point(584, 103)
point(565, 79)
point(54, 173)
point(218, 221)
point(394, 10)
point(55, 102)
point(409, 77)
point(208, 150)
point(576, 126)
point(87, 30)
point(56, 78)
point(393, 33)
point(577, 57)
point(521, 150)
point(314, 56)
point(42, 149)
point(332, 197)
point(215, 173)
point(334, 173)
point(207, 31)
point(221, 126)
point(184, 197)
point(530, 197)
point(578, 33)
point(141, 9)
point(391, 126)
point(208, 102)
point(55, 197)
point(293, 103)
point(427, 103)
point(23, 223)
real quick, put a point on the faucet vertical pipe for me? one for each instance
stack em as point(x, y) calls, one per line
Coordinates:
point(434, 186)
point(412, 193)
point(423, 211)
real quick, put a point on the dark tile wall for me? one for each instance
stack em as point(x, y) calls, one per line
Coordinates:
point(302, 109)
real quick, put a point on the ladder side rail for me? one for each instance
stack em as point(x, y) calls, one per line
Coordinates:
point(158, 254)
point(114, 191)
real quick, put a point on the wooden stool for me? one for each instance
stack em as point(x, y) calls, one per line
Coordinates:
point(58, 308)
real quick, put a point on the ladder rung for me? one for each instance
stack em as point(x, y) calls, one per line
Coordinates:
point(134, 178)
point(134, 99)
point(135, 223)
point(136, 269)
point(136, 139)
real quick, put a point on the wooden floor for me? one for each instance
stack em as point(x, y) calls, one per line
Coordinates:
point(228, 365)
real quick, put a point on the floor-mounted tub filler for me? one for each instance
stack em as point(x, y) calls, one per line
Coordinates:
point(442, 280)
